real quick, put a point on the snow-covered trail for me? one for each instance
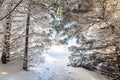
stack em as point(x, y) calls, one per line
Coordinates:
point(55, 67)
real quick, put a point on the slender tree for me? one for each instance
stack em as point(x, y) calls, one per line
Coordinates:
point(25, 61)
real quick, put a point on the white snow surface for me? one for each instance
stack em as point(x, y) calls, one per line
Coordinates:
point(54, 68)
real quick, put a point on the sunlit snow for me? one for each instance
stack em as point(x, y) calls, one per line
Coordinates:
point(54, 68)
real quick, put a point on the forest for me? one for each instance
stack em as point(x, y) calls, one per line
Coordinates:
point(59, 39)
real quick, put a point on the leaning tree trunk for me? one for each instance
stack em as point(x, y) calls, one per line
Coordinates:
point(25, 61)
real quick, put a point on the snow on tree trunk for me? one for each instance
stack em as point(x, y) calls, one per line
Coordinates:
point(6, 46)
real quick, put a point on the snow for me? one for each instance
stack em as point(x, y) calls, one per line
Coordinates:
point(72, 42)
point(13, 71)
point(54, 68)
point(68, 25)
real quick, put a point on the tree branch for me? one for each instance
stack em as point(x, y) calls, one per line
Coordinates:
point(11, 10)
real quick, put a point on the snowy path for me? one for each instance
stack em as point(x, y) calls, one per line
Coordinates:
point(55, 68)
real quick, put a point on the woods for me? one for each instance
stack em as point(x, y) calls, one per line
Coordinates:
point(30, 27)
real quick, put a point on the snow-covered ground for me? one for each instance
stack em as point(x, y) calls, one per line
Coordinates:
point(13, 71)
point(54, 68)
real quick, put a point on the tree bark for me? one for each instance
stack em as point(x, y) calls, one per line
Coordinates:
point(25, 61)
point(6, 47)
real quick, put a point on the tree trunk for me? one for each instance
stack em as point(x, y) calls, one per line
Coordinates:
point(6, 47)
point(25, 61)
